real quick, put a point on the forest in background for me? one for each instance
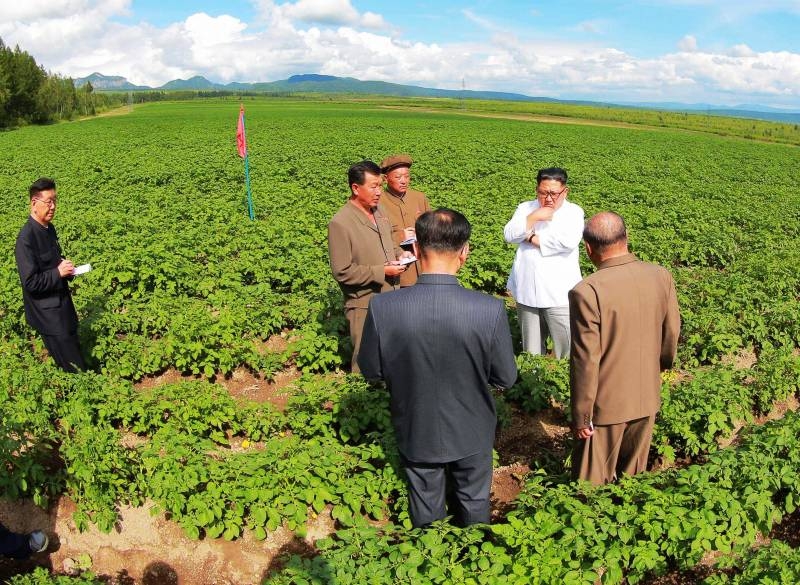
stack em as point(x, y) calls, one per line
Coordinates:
point(31, 95)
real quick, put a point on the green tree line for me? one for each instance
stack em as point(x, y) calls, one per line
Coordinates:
point(31, 95)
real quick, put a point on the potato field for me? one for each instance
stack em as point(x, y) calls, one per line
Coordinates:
point(183, 281)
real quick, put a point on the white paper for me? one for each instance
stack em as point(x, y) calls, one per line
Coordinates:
point(82, 269)
point(409, 241)
point(404, 261)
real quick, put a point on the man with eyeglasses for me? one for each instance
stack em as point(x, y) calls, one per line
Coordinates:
point(548, 232)
point(44, 274)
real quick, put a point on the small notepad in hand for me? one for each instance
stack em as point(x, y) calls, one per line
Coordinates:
point(82, 269)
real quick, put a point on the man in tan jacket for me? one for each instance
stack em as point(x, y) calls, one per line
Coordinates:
point(625, 324)
point(402, 205)
point(362, 254)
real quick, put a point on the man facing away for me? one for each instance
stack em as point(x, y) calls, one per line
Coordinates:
point(625, 325)
point(439, 346)
point(402, 205)
point(548, 232)
point(18, 545)
point(362, 255)
point(44, 274)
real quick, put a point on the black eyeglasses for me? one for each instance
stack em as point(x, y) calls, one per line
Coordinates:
point(48, 202)
point(551, 194)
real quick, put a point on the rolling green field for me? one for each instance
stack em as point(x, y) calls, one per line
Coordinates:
point(155, 201)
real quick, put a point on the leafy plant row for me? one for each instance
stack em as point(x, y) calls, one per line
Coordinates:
point(40, 576)
point(710, 404)
point(180, 444)
point(695, 121)
point(570, 533)
point(701, 407)
point(774, 564)
point(154, 200)
point(215, 466)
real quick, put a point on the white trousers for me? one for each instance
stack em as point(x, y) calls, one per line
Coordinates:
point(537, 323)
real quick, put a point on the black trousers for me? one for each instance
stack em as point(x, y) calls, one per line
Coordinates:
point(13, 544)
point(66, 351)
point(470, 483)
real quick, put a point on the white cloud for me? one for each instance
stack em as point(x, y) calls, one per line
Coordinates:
point(372, 20)
point(51, 29)
point(596, 26)
point(688, 44)
point(282, 43)
point(741, 51)
point(754, 74)
point(11, 10)
point(321, 11)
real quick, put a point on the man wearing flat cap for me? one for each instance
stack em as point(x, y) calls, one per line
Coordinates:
point(402, 205)
point(363, 258)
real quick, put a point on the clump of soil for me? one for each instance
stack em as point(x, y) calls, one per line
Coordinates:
point(533, 437)
point(147, 549)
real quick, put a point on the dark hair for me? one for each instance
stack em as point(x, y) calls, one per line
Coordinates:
point(552, 174)
point(442, 230)
point(356, 173)
point(41, 184)
point(605, 229)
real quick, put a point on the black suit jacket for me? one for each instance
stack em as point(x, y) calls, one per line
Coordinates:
point(439, 346)
point(45, 294)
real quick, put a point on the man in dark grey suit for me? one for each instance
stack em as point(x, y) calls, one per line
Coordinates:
point(439, 346)
point(44, 273)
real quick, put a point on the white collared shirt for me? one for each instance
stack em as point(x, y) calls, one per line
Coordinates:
point(543, 275)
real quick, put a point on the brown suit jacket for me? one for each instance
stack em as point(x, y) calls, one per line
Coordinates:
point(403, 213)
point(358, 251)
point(624, 323)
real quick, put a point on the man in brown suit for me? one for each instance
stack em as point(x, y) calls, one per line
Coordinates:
point(402, 205)
point(625, 323)
point(362, 254)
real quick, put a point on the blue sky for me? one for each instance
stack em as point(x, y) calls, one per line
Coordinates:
point(691, 51)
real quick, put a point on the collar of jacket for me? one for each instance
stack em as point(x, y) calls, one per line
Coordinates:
point(618, 260)
point(32, 221)
point(363, 218)
point(437, 278)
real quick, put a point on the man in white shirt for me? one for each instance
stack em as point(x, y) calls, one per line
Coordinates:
point(548, 231)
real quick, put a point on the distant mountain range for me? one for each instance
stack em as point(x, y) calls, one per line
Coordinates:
point(313, 83)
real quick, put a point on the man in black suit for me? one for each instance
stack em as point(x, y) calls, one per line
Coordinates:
point(44, 273)
point(18, 545)
point(439, 346)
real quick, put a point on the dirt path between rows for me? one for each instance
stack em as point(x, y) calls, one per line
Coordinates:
point(551, 119)
point(148, 549)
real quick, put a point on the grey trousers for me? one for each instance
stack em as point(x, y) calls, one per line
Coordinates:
point(537, 323)
point(471, 482)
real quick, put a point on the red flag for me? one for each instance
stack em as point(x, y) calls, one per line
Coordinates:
point(241, 142)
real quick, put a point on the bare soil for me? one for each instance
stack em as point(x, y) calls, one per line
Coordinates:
point(147, 549)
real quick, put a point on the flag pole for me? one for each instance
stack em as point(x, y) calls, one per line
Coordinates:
point(247, 182)
point(241, 144)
